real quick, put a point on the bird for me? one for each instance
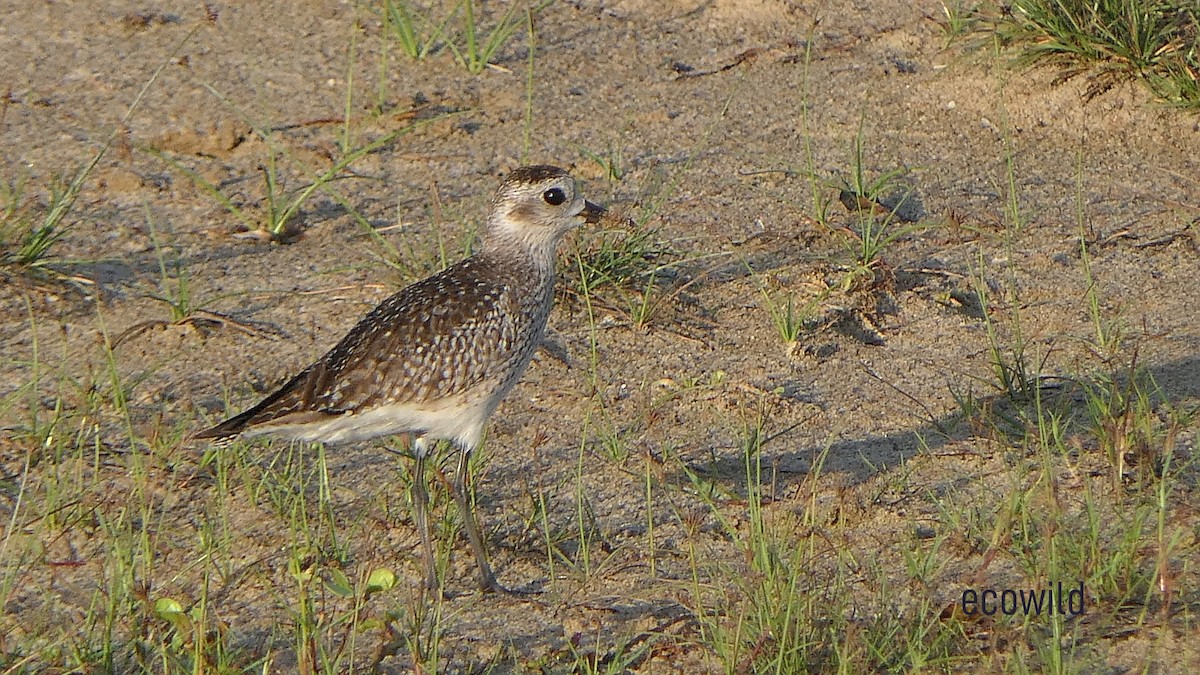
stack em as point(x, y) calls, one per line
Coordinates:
point(435, 359)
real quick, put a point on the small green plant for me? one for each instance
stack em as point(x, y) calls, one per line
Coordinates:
point(862, 195)
point(276, 218)
point(329, 638)
point(819, 197)
point(876, 226)
point(623, 267)
point(960, 18)
point(609, 161)
point(789, 319)
point(613, 258)
point(477, 50)
point(642, 305)
point(1017, 380)
point(1110, 332)
point(415, 33)
point(281, 207)
point(25, 241)
point(421, 623)
point(189, 644)
point(1124, 422)
point(174, 283)
point(28, 233)
point(418, 33)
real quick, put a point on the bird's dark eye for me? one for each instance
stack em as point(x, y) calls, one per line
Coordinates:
point(554, 196)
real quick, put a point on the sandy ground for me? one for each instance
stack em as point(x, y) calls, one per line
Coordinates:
point(720, 158)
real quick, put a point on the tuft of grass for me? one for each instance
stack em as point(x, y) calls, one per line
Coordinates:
point(1124, 419)
point(419, 33)
point(27, 234)
point(609, 161)
point(25, 238)
point(1157, 43)
point(421, 623)
point(622, 263)
point(478, 49)
point(415, 32)
point(819, 199)
point(174, 282)
point(275, 220)
point(613, 258)
point(1016, 374)
point(959, 18)
point(789, 320)
point(875, 204)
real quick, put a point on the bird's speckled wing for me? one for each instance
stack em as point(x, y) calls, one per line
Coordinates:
point(436, 338)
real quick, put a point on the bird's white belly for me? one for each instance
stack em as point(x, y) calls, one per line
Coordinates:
point(461, 421)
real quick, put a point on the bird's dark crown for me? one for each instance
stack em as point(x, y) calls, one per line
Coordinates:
point(534, 174)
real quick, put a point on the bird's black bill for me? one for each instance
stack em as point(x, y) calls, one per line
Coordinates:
point(592, 213)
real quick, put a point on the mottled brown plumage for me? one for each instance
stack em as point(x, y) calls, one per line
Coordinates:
point(464, 331)
point(436, 358)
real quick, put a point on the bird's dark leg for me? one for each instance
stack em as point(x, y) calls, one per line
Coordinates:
point(421, 512)
point(462, 483)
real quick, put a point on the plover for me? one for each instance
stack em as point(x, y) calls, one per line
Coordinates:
point(435, 359)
